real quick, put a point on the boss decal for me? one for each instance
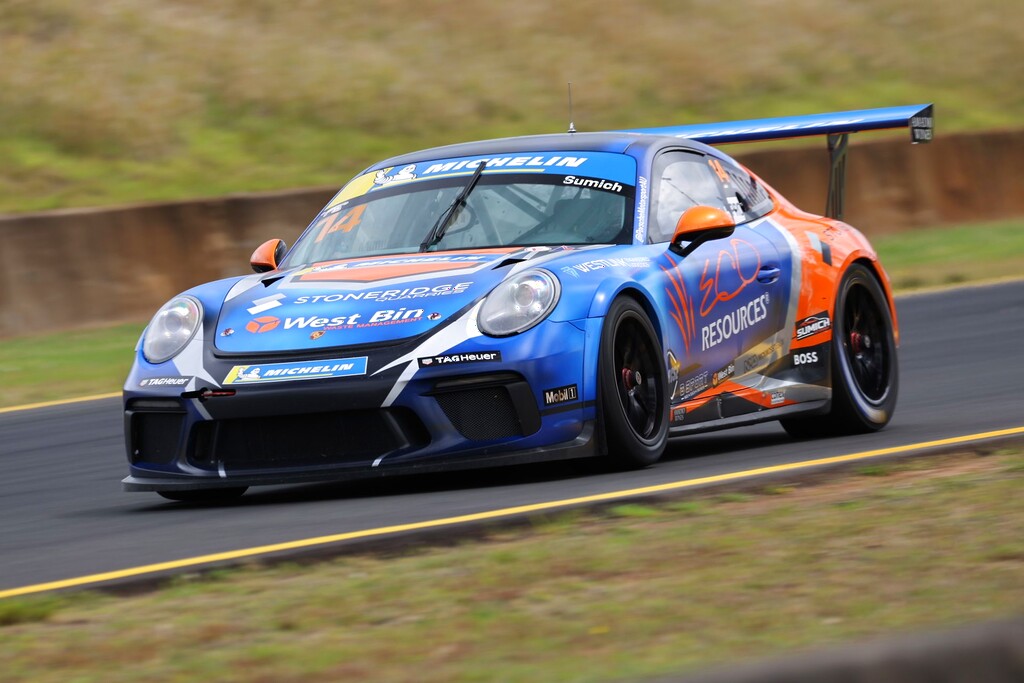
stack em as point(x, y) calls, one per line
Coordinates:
point(806, 358)
point(812, 325)
point(458, 358)
point(565, 394)
point(284, 372)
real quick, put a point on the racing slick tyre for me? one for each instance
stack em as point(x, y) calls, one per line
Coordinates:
point(865, 373)
point(205, 495)
point(631, 387)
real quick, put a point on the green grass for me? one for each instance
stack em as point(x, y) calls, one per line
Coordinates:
point(87, 362)
point(66, 364)
point(953, 254)
point(167, 99)
point(639, 591)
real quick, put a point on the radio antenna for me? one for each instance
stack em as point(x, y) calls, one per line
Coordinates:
point(572, 127)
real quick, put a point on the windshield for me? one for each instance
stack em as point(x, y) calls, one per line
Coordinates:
point(393, 211)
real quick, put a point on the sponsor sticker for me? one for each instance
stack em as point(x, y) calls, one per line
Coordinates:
point(459, 358)
point(602, 263)
point(641, 211)
point(812, 325)
point(565, 394)
point(734, 322)
point(386, 294)
point(756, 360)
point(593, 183)
point(264, 323)
point(807, 358)
point(286, 372)
point(378, 268)
point(778, 397)
point(694, 385)
point(387, 316)
point(723, 374)
point(165, 381)
point(265, 303)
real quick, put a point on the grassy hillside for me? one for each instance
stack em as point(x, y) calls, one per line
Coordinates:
point(154, 99)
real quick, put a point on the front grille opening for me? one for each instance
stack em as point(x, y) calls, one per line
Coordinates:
point(307, 440)
point(481, 414)
point(155, 437)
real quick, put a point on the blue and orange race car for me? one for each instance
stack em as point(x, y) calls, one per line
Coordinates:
point(524, 299)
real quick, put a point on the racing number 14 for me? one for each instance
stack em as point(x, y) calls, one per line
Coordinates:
point(341, 221)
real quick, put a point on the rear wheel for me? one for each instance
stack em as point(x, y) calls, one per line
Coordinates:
point(632, 387)
point(205, 495)
point(865, 376)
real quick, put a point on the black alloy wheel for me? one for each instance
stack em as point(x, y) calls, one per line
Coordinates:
point(865, 372)
point(632, 386)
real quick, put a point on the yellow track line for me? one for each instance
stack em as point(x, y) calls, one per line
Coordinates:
point(60, 402)
point(493, 514)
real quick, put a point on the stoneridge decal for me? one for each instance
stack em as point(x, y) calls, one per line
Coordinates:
point(286, 372)
point(386, 294)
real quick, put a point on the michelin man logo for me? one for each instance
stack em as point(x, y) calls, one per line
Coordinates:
point(249, 375)
point(382, 177)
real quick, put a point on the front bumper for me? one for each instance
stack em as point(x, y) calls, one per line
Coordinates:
point(399, 418)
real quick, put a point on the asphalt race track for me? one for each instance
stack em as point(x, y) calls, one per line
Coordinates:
point(63, 515)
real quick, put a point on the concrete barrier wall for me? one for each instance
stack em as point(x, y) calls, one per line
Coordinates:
point(74, 268)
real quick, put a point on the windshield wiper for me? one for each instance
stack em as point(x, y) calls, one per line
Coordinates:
point(437, 232)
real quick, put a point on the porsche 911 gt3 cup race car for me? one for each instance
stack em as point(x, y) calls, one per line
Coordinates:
point(524, 299)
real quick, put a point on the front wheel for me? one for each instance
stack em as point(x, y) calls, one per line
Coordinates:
point(632, 387)
point(865, 374)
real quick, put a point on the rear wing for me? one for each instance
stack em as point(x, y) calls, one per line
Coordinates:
point(836, 125)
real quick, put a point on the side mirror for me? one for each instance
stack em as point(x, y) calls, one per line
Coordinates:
point(268, 255)
point(700, 219)
point(697, 225)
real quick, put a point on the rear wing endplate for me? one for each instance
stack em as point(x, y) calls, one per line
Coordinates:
point(836, 125)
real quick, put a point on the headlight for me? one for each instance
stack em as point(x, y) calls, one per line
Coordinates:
point(518, 304)
point(171, 328)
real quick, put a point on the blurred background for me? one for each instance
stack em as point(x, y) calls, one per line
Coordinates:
point(141, 100)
